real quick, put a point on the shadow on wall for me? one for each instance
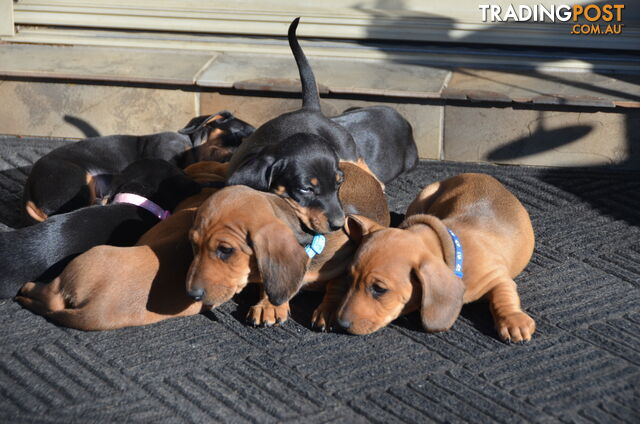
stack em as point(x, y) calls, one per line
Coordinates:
point(538, 141)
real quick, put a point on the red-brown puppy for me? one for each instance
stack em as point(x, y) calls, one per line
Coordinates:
point(400, 270)
point(113, 287)
point(242, 235)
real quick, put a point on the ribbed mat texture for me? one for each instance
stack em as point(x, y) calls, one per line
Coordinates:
point(583, 365)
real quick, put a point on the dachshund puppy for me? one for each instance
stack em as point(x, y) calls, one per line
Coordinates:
point(145, 192)
point(241, 235)
point(113, 287)
point(296, 154)
point(78, 174)
point(464, 238)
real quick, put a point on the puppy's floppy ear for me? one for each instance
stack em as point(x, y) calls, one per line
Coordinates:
point(281, 260)
point(442, 294)
point(256, 172)
point(236, 129)
point(198, 123)
point(197, 129)
point(358, 226)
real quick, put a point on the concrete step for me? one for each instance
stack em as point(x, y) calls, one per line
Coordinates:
point(524, 117)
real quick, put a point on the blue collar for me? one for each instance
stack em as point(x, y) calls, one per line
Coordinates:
point(457, 269)
point(316, 246)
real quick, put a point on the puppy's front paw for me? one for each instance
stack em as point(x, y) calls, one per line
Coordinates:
point(265, 314)
point(324, 317)
point(516, 327)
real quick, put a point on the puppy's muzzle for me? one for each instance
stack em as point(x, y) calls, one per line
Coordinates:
point(336, 220)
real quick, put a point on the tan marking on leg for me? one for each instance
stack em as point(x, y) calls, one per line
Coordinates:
point(91, 183)
point(213, 118)
point(215, 137)
point(35, 212)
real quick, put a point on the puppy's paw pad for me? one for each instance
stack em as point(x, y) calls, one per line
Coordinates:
point(267, 315)
point(517, 327)
point(27, 288)
point(323, 317)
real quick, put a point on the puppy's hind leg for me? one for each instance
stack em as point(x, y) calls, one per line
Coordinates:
point(57, 187)
point(48, 301)
point(41, 298)
point(510, 321)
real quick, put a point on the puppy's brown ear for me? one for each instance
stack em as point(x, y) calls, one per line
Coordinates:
point(281, 260)
point(358, 226)
point(442, 294)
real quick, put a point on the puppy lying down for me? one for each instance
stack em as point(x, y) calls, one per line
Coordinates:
point(463, 239)
point(111, 287)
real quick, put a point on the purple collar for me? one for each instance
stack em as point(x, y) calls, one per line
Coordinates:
point(143, 202)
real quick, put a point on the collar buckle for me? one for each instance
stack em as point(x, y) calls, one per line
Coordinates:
point(316, 246)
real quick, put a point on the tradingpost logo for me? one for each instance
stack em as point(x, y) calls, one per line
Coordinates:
point(587, 19)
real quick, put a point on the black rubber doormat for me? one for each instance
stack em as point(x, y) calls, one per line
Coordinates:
point(583, 365)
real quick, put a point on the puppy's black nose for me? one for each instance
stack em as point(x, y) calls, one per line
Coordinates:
point(344, 323)
point(196, 294)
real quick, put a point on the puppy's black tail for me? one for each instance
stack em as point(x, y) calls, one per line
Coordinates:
point(310, 96)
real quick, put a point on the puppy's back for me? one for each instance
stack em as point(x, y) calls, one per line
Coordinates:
point(482, 202)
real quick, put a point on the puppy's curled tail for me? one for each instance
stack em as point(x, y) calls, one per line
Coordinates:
point(310, 96)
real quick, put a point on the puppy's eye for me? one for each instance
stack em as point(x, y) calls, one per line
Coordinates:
point(223, 252)
point(305, 190)
point(377, 290)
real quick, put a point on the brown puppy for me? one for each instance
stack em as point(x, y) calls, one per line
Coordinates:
point(242, 235)
point(113, 287)
point(400, 270)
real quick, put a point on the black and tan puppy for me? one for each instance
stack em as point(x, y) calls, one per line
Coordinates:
point(384, 139)
point(41, 250)
point(77, 174)
point(296, 154)
point(111, 287)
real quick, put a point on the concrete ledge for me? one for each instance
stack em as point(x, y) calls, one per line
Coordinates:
point(47, 109)
point(557, 88)
point(393, 78)
point(552, 119)
point(103, 64)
